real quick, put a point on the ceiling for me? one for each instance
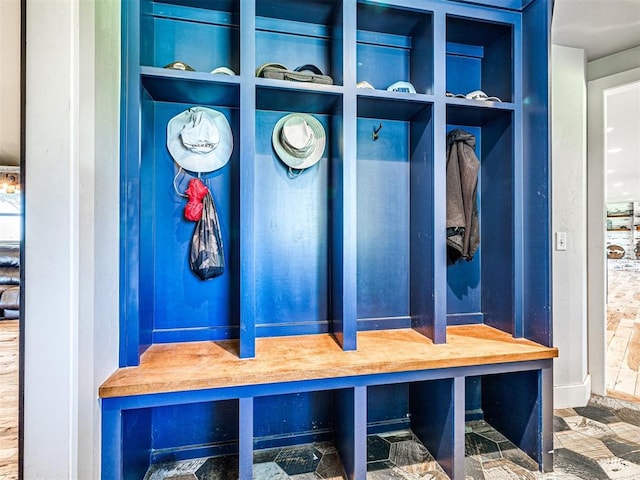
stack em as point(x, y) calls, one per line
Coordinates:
point(601, 28)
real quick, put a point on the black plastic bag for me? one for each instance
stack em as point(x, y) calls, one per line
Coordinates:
point(207, 254)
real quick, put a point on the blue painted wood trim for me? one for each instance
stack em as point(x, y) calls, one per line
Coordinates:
point(545, 416)
point(226, 393)
point(292, 328)
point(536, 284)
point(245, 447)
point(247, 181)
point(189, 14)
point(516, 5)
point(194, 334)
point(111, 463)
point(344, 203)
point(439, 195)
point(350, 426)
point(479, 12)
point(519, 233)
point(383, 323)
point(130, 341)
point(465, 318)
point(465, 50)
point(459, 396)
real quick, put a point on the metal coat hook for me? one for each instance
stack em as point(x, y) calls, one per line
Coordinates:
point(375, 132)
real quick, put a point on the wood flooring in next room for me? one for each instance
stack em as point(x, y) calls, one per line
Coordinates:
point(9, 330)
point(623, 333)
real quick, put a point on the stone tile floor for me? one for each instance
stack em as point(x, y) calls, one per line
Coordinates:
point(598, 442)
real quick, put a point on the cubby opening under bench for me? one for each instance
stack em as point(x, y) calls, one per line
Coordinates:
point(208, 382)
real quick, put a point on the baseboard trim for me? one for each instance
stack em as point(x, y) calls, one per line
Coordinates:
point(576, 395)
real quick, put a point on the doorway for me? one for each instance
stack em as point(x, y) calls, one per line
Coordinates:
point(622, 238)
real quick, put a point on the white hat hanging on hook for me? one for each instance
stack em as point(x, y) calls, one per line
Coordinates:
point(200, 139)
point(299, 141)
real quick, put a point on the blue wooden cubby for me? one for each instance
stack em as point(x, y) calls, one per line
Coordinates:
point(338, 314)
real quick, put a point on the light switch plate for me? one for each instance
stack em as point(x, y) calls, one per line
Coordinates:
point(561, 240)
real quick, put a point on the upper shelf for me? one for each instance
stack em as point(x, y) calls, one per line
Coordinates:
point(167, 85)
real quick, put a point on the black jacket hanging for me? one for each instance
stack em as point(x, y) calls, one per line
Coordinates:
point(463, 232)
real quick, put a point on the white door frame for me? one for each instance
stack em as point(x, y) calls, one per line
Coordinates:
point(596, 228)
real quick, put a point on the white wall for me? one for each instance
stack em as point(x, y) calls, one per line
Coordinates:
point(10, 82)
point(71, 232)
point(569, 175)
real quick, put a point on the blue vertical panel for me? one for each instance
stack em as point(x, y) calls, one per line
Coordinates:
point(245, 442)
point(204, 36)
point(422, 220)
point(383, 221)
point(387, 408)
point(545, 384)
point(186, 307)
point(372, 54)
point(294, 418)
point(130, 340)
point(459, 428)
point(497, 232)
point(350, 420)
point(202, 45)
point(342, 190)
point(432, 418)
point(309, 25)
point(112, 441)
point(497, 65)
point(247, 182)
point(211, 430)
point(518, 206)
point(480, 54)
point(462, 60)
point(482, 290)
point(401, 39)
point(512, 404)
point(136, 444)
point(473, 399)
point(536, 24)
point(291, 238)
point(147, 238)
point(421, 62)
point(438, 255)
point(464, 288)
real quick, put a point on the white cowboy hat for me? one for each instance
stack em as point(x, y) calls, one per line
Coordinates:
point(200, 139)
point(299, 140)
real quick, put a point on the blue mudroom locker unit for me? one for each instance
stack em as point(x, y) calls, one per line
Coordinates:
point(340, 312)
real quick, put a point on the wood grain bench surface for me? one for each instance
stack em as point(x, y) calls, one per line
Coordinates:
point(201, 365)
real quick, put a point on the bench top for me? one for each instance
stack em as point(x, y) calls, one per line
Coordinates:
point(202, 365)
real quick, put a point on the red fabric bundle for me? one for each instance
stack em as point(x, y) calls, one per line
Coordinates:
point(196, 192)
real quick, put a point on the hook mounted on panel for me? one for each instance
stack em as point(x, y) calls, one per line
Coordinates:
point(376, 131)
